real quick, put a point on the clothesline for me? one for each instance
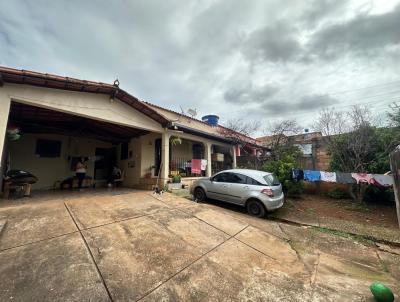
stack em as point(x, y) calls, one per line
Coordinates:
point(379, 180)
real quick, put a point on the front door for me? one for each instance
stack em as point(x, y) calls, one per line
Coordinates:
point(105, 159)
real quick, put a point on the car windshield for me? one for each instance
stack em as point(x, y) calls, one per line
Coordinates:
point(271, 180)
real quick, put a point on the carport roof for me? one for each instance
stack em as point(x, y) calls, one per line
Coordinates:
point(16, 76)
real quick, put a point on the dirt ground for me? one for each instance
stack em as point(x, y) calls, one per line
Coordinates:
point(381, 215)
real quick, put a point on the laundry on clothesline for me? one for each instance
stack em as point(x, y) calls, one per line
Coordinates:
point(297, 174)
point(362, 177)
point(310, 175)
point(328, 176)
point(196, 166)
point(344, 178)
point(383, 180)
point(379, 180)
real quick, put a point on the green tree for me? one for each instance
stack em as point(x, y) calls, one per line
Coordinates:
point(358, 146)
point(394, 117)
point(282, 168)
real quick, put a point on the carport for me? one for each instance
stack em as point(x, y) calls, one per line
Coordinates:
point(61, 119)
point(51, 142)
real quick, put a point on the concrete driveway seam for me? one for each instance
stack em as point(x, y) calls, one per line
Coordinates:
point(252, 247)
point(190, 264)
point(90, 254)
point(313, 277)
point(37, 241)
point(181, 210)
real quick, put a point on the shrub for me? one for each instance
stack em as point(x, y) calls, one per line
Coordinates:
point(176, 179)
point(294, 189)
point(337, 193)
point(381, 195)
point(283, 170)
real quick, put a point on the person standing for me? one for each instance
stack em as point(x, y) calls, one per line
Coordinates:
point(116, 174)
point(80, 171)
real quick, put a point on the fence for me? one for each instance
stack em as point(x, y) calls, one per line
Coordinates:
point(182, 166)
point(395, 167)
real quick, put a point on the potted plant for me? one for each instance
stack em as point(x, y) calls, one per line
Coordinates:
point(176, 182)
point(175, 140)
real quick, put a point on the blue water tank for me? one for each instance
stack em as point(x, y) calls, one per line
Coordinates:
point(211, 119)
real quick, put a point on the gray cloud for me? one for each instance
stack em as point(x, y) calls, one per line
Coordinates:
point(363, 35)
point(306, 103)
point(318, 10)
point(203, 54)
point(272, 43)
point(250, 94)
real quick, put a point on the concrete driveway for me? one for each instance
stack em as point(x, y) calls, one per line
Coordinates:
point(129, 246)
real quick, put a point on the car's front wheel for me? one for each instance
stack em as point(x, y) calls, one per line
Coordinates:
point(199, 194)
point(255, 208)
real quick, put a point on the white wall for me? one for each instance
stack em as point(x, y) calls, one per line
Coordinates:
point(131, 166)
point(148, 152)
point(94, 105)
point(4, 111)
point(49, 170)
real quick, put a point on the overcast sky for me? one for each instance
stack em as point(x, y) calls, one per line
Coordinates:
point(261, 60)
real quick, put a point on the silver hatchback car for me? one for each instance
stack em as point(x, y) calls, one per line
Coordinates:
point(258, 191)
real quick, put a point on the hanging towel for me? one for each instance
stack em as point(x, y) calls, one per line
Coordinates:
point(328, 176)
point(196, 166)
point(382, 180)
point(362, 177)
point(344, 178)
point(203, 164)
point(310, 175)
point(297, 174)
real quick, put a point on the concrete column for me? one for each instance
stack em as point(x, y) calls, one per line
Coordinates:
point(164, 157)
point(208, 158)
point(237, 149)
point(4, 112)
point(234, 157)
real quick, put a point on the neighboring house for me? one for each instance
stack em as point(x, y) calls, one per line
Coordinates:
point(61, 119)
point(313, 146)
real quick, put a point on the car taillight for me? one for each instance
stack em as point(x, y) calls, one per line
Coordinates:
point(268, 192)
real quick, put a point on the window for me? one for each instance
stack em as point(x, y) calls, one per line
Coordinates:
point(48, 148)
point(237, 178)
point(198, 151)
point(124, 151)
point(251, 181)
point(230, 178)
point(271, 180)
point(222, 177)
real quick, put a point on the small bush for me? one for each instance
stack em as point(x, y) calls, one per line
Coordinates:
point(337, 193)
point(176, 179)
point(381, 195)
point(294, 189)
point(283, 170)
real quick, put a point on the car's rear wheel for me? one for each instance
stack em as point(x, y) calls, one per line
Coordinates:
point(199, 194)
point(255, 208)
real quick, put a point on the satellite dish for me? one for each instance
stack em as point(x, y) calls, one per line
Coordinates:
point(192, 112)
